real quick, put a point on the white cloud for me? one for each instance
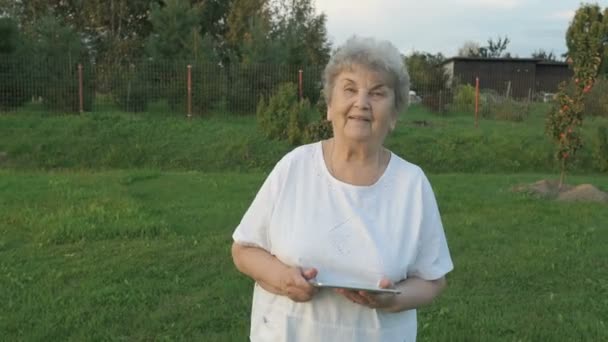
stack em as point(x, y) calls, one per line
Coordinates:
point(561, 15)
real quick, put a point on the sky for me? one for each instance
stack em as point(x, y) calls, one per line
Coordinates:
point(444, 25)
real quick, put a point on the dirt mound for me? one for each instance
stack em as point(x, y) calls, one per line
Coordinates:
point(584, 192)
point(550, 189)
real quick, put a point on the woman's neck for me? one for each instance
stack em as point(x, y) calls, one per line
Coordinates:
point(356, 163)
point(360, 153)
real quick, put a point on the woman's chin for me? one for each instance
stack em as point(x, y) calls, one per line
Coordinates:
point(358, 136)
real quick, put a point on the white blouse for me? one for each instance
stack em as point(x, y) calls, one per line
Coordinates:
point(352, 234)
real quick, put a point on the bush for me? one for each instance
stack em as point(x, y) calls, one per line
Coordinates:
point(510, 110)
point(494, 106)
point(600, 149)
point(299, 118)
point(318, 130)
point(274, 116)
point(437, 101)
point(284, 117)
point(464, 99)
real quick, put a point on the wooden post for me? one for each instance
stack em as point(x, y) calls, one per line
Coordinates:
point(300, 85)
point(476, 102)
point(189, 91)
point(80, 90)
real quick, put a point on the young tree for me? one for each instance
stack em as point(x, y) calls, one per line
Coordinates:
point(585, 38)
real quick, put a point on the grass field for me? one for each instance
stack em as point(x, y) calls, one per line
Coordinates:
point(105, 141)
point(139, 255)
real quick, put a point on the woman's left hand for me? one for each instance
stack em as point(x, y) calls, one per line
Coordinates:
point(369, 299)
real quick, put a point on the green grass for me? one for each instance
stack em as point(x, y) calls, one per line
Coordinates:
point(144, 255)
point(156, 140)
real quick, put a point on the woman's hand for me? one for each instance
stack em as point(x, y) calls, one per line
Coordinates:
point(295, 285)
point(369, 299)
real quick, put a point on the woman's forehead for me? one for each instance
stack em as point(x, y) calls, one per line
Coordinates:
point(357, 72)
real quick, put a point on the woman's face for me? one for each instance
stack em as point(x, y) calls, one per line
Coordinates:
point(362, 107)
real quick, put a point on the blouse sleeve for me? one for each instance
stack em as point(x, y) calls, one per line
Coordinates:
point(432, 259)
point(253, 228)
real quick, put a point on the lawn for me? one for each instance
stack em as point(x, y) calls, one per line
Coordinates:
point(132, 255)
point(115, 140)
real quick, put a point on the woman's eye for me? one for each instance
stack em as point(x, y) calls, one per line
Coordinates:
point(377, 94)
point(349, 90)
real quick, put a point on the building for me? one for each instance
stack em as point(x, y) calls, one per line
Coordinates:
point(514, 77)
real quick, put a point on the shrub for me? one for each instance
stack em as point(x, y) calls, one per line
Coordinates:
point(274, 116)
point(299, 118)
point(600, 149)
point(464, 99)
point(318, 130)
point(510, 110)
point(437, 101)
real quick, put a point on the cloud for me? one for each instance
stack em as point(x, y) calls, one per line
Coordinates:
point(561, 15)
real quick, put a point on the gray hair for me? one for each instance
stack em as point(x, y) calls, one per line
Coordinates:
point(374, 54)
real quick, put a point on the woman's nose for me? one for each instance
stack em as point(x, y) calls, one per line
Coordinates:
point(362, 100)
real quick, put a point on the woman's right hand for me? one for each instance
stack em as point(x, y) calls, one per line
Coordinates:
point(295, 283)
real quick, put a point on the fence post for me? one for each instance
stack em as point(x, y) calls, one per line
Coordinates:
point(80, 90)
point(189, 91)
point(300, 90)
point(476, 102)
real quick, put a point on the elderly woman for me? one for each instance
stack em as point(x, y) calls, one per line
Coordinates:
point(345, 211)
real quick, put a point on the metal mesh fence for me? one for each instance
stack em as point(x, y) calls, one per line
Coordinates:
point(198, 89)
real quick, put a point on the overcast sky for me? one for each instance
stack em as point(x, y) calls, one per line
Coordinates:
point(444, 25)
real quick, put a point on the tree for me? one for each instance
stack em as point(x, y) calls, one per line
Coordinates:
point(245, 18)
point(428, 78)
point(469, 49)
point(58, 49)
point(176, 33)
point(585, 38)
point(494, 49)
point(113, 30)
point(301, 31)
point(544, 55)
point(13, 65)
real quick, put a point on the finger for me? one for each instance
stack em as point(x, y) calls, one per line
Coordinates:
point(299, 295)
point(309, 273)
point(385, 283)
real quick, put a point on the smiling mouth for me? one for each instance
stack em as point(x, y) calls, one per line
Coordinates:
point(359, 118)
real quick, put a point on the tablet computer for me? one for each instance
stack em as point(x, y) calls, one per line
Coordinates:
point(353, 287)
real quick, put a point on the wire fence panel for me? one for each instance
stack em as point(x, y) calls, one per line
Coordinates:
point(198, 88)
